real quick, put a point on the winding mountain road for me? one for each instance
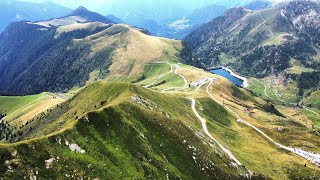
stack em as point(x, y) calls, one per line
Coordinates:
point(201, 83)
point(310, 156)
point(310, 110)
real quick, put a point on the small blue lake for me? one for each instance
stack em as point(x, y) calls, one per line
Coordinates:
point(226, 74)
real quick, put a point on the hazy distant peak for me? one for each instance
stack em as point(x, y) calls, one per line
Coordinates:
point(80, 10)
point(89, 15)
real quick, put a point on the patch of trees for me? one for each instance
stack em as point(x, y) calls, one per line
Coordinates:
point(309, 80)
point(12, 134)
point(263, 61)
point(2, 115)
point(6, 131)
point(141, 78)
point(269, 107)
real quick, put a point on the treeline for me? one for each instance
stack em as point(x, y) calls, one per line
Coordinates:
point(13, 134)
point(6, 131)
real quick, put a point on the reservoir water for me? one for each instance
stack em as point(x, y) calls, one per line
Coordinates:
point(226, 74)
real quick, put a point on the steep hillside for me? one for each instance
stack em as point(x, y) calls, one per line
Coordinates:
point(19, 109)
point(59, 54)
point(259, 43)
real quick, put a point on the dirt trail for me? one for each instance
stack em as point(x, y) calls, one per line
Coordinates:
point(281, 100)
point(185, 86)
point(162, 75)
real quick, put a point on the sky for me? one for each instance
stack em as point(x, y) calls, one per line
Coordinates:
point(97, 5)
point(156, 9)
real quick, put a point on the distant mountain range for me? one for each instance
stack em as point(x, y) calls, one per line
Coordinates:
point(16, 11)
point(162, 12)
point(114, 18)
point(179, 25)
point(166, 21)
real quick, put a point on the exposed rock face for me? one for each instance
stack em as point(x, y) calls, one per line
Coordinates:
point(305, 15)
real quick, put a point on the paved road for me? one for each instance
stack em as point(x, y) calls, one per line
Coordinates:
point(310, 156)
point(201, 82)
point(205, 129)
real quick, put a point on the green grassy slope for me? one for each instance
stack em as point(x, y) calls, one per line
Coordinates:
point(19, 109)
point(127, 131)
point(124, 138)
point(11, 103)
